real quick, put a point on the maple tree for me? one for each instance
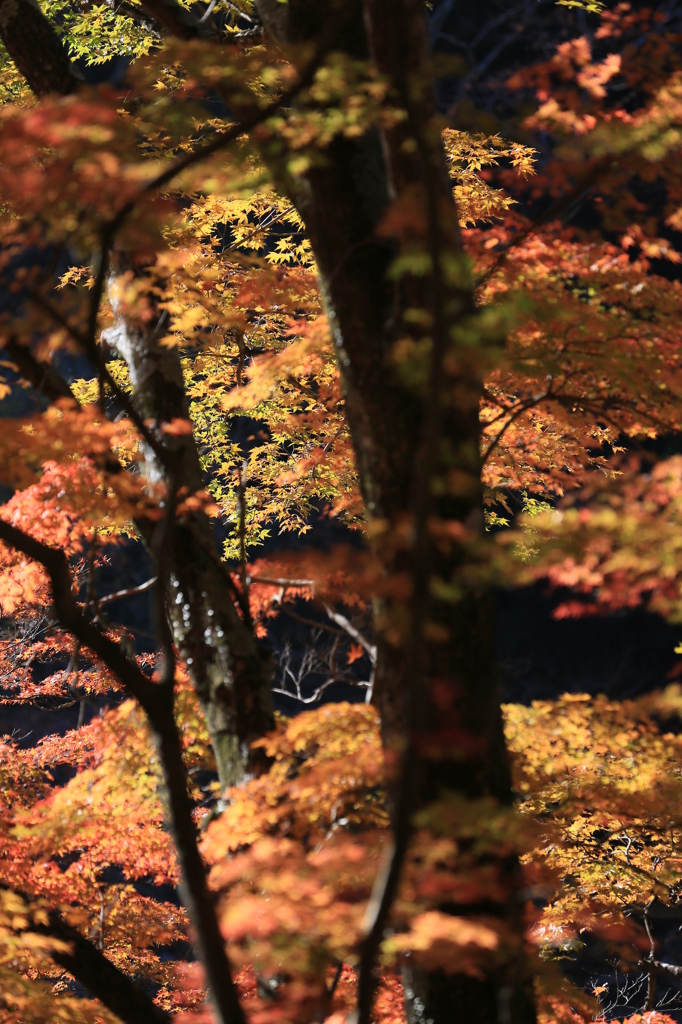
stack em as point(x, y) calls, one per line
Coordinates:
point(276, 213)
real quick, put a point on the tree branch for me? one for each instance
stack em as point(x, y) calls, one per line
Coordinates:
point(127, 593)
point(71, 617)
point(385, 888)
point(673, 969)
point(116, 990)
point(36, 49)
point(157, 702)
point(42, 376)
point(349, 628)
point(177, 21)
point(513, 416)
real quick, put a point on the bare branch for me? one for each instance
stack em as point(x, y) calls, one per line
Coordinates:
point(281, 581)
point(310, 622)
point(349, 628)
point(673, 969)
point(129, 592)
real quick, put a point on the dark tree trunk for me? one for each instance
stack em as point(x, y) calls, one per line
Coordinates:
point(456, 713)
point(36, 49)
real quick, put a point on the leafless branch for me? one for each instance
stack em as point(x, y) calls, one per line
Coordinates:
point(129, 592)
point(349, 628)
point(313, 662)
point(651, 959)
point(280, 581)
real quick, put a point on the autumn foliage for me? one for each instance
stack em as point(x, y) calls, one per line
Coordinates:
point(175, 336)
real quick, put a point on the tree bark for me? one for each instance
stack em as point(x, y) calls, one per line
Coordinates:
point(230, 670)
point(454, 718)
point(36, 49)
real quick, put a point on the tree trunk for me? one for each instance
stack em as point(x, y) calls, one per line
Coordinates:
point(36, 49)
point(455, 716)
point(230, 670)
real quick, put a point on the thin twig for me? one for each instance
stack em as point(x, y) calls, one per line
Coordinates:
point(335, 980)
point(129, 592)
point(310, 622)
point(651, 960)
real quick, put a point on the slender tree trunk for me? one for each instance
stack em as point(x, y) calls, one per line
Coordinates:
point(85, 962)
point(230, 670)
